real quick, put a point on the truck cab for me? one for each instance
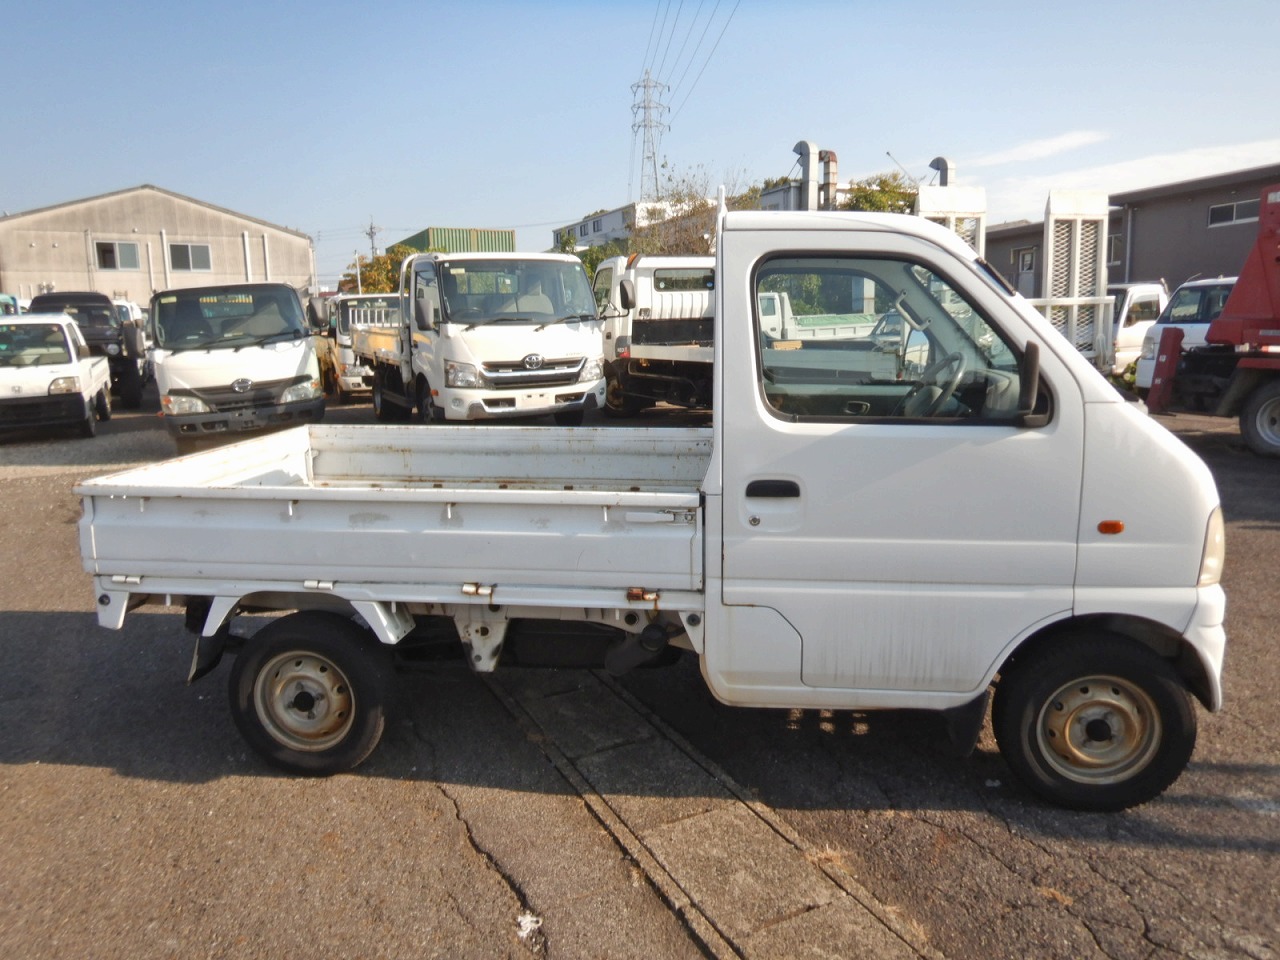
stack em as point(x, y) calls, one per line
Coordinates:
point(233, 359)
point(49, 376)
point(1191, 309)
point(489, 337)
point(1136, 307)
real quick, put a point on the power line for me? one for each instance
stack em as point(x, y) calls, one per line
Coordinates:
point(694, 55)
point(707, 61)
point(670, 37)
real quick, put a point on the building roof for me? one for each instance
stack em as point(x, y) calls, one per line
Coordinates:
point(154, 189)
point(1269, 173)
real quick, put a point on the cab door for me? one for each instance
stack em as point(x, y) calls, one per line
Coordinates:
point(887, 535)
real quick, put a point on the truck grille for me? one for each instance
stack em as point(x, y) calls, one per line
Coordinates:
point(515, 374)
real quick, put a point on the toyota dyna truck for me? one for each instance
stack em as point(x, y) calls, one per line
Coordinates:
point(486, 336)
point(233, 359)
point(984, 525)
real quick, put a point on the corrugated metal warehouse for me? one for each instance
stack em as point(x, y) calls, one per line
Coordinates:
point(133, 242)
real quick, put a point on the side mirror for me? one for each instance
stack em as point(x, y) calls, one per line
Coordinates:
point(1029, 387)
point(423, 315)
point(627, 294)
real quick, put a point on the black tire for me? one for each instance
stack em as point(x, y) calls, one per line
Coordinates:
point(308, 693)
point(89, 425)
point(617, 402)
point(131, 386)
point(428, 412)
point(1260, 420)
point(102, 405)
point(569, 418)
point(381, 408)
point(1095, 722)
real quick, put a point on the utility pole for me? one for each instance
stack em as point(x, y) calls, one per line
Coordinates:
point(651, 109)
point(372, 234)
point(359, 284)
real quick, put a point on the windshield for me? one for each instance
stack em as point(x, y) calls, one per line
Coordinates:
point(227, 319)
point(536, 291)
point(32, 344)
point(371, 311)
point(1196, 304)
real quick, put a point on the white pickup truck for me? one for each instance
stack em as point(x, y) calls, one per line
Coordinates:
point(48, 377)
point(835, 540)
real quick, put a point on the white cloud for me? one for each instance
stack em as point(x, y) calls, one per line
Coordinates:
point(1024, 198)
point(1040, 149)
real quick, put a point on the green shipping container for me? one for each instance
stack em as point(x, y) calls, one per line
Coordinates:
point(462, 240)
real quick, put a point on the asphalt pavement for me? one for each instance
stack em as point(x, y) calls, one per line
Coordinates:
point(566, 814)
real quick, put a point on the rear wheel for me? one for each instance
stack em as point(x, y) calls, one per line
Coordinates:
point(131, 386)
point(308, 693)
point(1094, 723)
point(89, 425)
point(1260, 420)
point(102, 404)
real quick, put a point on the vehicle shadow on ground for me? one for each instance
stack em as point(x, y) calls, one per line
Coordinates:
point(72, 693)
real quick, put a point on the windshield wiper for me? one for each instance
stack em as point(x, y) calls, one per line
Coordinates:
point(270, 337)
point(572, 316)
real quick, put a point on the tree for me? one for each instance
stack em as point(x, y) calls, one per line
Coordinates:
point(892, 192)
point(690, 224)
point(380, 274)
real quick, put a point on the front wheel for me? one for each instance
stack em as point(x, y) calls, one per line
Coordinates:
point(1260, 420)
point(1094, 723)
point(308, 693)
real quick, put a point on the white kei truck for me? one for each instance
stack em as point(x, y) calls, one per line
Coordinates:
point(487, 336)
point(233, 359)
point(981, 525)
point(48, 377)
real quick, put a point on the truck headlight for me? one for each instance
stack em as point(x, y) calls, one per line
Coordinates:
point(462, 375)
point(593, 369)
point(1148, 349)
point(1215, 550)
point(113, 349)
point(65, 385)
point(309, 390)
point(182, 406)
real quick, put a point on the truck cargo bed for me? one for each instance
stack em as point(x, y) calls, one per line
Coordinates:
point(574, 508)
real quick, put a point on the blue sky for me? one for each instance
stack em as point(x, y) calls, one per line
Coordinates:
point(325, 117)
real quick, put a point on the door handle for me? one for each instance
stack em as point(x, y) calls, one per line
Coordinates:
point(773, 488)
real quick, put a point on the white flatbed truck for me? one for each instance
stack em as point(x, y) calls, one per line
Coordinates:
point(834, 540)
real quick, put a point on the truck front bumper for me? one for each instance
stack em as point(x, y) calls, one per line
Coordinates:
point(502, 405)
point(266, 417)
point(52, 411)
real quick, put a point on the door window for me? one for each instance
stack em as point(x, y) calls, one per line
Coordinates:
point(877, 338)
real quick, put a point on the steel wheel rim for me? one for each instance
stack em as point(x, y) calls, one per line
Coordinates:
point(304, 701)
point(1267, 422)
point(1098, 730)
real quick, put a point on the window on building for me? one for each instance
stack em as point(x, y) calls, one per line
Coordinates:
point(582, 229)
point(1025, 259)
point(1115, 249)
point(596, 226)
point(189, 256)
point(117, 256)
point(1242, 211)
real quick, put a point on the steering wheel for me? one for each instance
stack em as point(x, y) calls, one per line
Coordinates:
point(920, 400)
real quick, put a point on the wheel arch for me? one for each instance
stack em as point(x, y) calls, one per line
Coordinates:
point(1161, 639)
